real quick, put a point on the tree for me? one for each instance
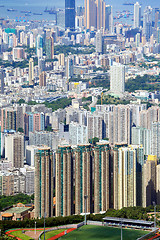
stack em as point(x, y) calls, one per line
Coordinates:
point(48, 128)
point(21, 101)
point(20, 130)
point(94, 140)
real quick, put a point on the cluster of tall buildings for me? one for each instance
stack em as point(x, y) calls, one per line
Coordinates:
point(151, 20)
point(100, 176)
point(50, 153)
point(98, 15)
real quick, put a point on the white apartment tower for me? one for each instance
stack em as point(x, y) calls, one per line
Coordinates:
point(99, 42)
point(14, 149)
point(137, 15)
point(117, 78)
point(31, 71)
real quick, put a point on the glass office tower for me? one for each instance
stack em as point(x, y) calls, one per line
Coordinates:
point(70, 14)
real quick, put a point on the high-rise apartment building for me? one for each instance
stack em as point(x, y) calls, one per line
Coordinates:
point(115, 174)
point(78, 134)
point(117, 78)
point(64, 181)
point(8, 119)
point(31, 151)
point(14, 149)
point(138, 39)
point(142, 136)
point(102, 181)
point(6, 184)
point(155, 139)
point(42, 79)
point(33, 122)
point(30, 173)
point(41, 65)
point(69, 68)
point(31, 71)
point(2, 74)
point(130, 163)
point(120, 125)
point(157, 17)
point(158, 184)
point(83, 178)
point(18, 53)
point(50, 47)
point(147, 22)
point(42, 137)
point(149, 181)
point(70, 14)
point(43, 199)
point(39, 43)
point(109, 19)
point(61, 59)
point(137, 15)
point(99, 42)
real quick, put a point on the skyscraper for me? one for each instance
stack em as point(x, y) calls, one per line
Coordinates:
point(117, 78)
point(142, 136)
point(43, 183)
point(2, 73)
point(14, 149)
point(102, 181)
point(109, 18)
point(8, 119)
point(158, 183)
point(95, 14)
point(83, 178)
point(115, 174)
point(31, 71)
point(138, 39)
point(42, 79)
point(70, 14)
point(149, 181)
point(99, 42)
point(147, 22)
point(50, 47)
point(69, 67)
point(64, 181)
point(78, 133)
point(137, 15)
point(157, 17)
point(33, 122)
point(101, 5)
point(155, 139)
point(90, 14)
point(61, 59)
point(39, 46)
point(130, 163)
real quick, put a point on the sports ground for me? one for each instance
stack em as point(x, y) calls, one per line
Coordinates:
point(102, 233)
point(89, 232)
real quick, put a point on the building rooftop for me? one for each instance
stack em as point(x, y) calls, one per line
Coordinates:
point(125, 220)
point(17, 210)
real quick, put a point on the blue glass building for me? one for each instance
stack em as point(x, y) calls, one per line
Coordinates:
point(70, 14)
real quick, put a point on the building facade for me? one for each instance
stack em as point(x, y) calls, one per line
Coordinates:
point(44, 183)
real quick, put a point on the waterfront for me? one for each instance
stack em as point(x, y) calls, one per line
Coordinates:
point(39, 7)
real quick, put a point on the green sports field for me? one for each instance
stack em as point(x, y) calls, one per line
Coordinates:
point(102, 233)
point(52, 233)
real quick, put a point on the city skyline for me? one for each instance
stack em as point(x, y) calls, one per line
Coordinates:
point(80, 109)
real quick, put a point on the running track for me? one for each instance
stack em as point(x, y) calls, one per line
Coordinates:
point(26, 229)
point(155, 237)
